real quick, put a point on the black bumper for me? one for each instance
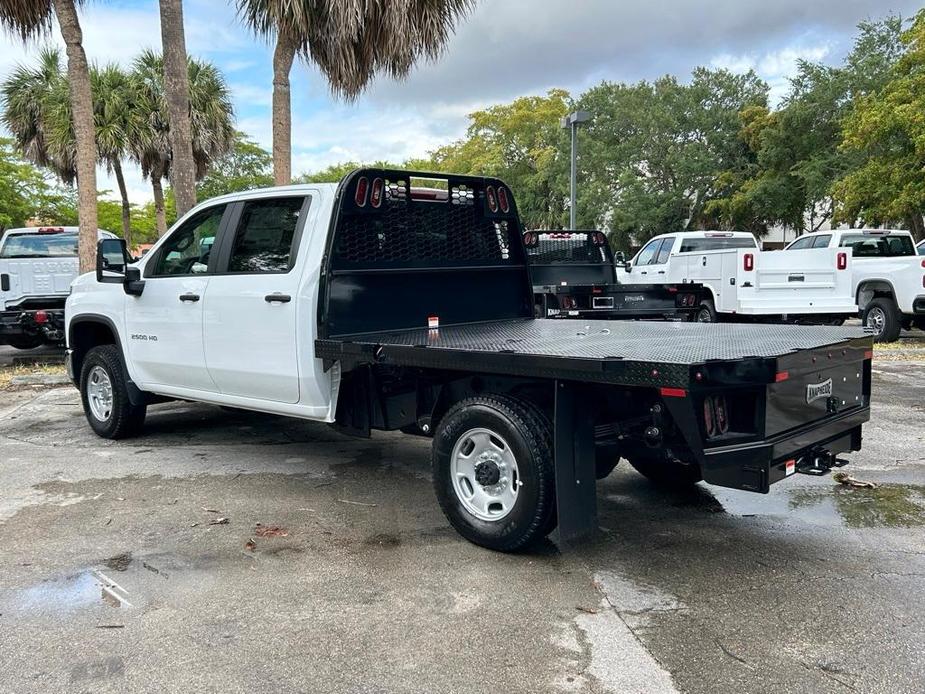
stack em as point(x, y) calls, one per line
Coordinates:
point(755, 466)
point(47, 326)
point(918, 306)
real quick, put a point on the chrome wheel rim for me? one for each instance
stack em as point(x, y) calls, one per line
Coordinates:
point(99, 393)
point(876, 319)
point(703, 316)
point(485, 475)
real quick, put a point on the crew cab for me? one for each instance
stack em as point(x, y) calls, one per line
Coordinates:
point(887, 276)
point(37, 266)
point(573, 276)
point(744, 283)
point(371, 305)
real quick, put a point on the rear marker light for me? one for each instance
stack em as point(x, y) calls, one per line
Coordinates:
point(375, 197)
point(748, 261)
point(781, 376)
point(869, 354)
point(673, 392)
point(842, 262)
point(41, 317)
point(503, 199)
point(492, 198)
point(362, 189)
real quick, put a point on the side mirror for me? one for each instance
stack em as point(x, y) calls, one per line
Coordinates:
point(112, 266)
point(620, 258)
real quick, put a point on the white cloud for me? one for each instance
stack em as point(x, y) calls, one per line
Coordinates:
point(776, 67)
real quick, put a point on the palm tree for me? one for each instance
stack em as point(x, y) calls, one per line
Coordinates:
point(211, 117)
point(177, 99)
point(350, 41)
point(31, 18)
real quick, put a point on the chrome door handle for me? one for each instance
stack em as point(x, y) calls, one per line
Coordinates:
point(189, 297)
point(277, 298)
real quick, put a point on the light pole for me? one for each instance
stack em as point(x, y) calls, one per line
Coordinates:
point(571, 121)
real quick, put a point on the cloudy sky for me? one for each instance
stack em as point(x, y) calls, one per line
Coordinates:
point(506, 48)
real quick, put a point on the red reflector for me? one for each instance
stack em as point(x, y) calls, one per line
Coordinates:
point(51, 230)
point(492, 198)
point(781, 376)
point(597, 290)
point(672, 290)
point(40, 317)
point(502, 199)
point(869, 354)
point(748, 262)
point(375, 197)
point(362, 189)
point(842, 261)
point(673, 392)
point(790, 467)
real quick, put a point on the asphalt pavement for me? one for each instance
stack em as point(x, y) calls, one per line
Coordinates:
point(238, 552)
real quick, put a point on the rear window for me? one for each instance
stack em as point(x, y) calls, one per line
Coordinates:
point(719, 243)
point(869, 246)
point(40, 246)
point(566, 247)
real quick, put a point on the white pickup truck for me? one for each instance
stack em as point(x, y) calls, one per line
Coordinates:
point(380, 305)
point(887, 276)
point(37, 266)
point(745, 283)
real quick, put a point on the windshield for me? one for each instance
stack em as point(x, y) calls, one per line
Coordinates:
point(887, 246)
point(567, 247)
point(40, 246)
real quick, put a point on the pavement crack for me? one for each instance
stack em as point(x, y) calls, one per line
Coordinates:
point(733, 655)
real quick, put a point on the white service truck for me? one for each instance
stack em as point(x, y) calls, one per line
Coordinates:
point(887, 275)
point(378, 305)
point(744, 283)
point(37, 266)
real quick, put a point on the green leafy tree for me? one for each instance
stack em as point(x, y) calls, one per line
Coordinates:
point(27, 195)
point(885, 130)
point(246, 166)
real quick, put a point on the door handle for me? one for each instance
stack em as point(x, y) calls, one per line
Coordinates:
point(277, 298)
point(189, 297)
point(661, 272)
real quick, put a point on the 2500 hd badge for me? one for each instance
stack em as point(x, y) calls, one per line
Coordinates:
point(146, 338)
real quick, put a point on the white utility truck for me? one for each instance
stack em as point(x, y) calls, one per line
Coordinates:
point(744, 283)
point(37, 266)
point(375, 305)
point(887, 275)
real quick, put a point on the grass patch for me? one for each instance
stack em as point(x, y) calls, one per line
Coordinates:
point(7, 373)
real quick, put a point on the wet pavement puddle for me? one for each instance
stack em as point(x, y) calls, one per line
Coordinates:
point(83, 590)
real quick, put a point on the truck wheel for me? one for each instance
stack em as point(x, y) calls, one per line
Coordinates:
point(664, 472)
point(493, 471)
point(25, 341)
point(706, 313)
point(883, 316)
point(104, 395)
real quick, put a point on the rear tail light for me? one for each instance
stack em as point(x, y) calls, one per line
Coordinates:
point(748, 262)
point(715, 415)
point(842, 261)
point(531, 238)
point(375, 196)
point(598, 239)
point(51, 230)
point(492, 198)
point(709, 417)
point(40, 317)
point(722, 416)
point(361, 192)
point(503, 200)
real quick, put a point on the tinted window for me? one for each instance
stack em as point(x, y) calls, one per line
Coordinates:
point(648, 253)
point(263, 242)
point(664, 252)
point(801, 243)
point(870, 246)
point(40, 246)
point(921, 248)
point(822, 241)
point(715, 243)
point(187, 250)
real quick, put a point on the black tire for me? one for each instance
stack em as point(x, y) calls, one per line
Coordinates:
point(663, 472)
point(25, 341)
point(527, 431)
point(883, 316)
point(706, 313)
point(125, 419)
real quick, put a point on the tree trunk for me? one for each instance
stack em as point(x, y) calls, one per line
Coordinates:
point(126, 208)
point(78, 74)
point(160, 216)
point(176, 91)
point(283, 56)
point(917, 226)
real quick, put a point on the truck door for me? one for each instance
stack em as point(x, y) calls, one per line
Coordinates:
point(164, 324)
point(251, 311)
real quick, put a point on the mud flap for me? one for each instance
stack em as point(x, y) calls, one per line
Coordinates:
point(576, 482)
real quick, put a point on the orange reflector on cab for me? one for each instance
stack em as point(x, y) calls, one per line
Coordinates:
point(781, 376)
point(869, 354)
point(673, 392)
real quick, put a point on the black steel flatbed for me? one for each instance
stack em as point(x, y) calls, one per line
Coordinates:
point(635, 353)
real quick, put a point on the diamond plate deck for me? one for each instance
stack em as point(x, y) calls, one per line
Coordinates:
point(613, 351)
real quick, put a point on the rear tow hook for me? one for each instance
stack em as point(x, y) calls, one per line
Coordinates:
point(819, 463)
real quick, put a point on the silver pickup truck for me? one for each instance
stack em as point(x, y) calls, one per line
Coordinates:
point(37, 266)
